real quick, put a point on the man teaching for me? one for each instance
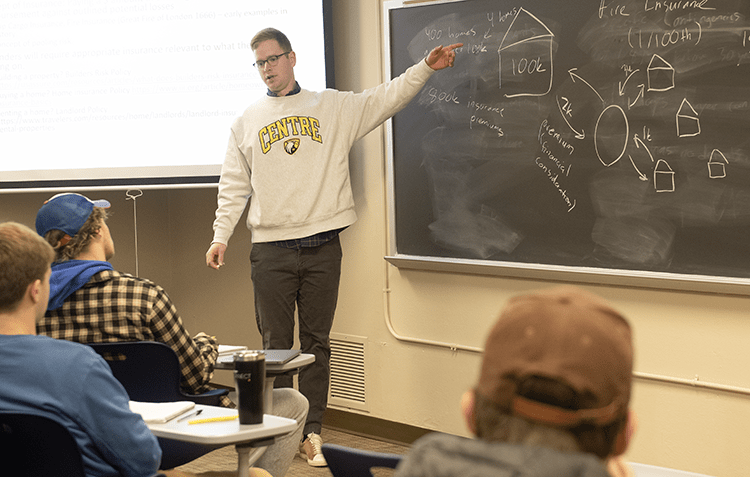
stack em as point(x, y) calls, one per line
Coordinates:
point(288, 155)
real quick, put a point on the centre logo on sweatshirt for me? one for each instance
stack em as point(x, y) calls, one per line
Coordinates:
point(289, 127)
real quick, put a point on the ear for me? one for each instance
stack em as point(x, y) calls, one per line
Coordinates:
point(467, 408)
point(34, 290)
point(293, 58)
point(626, 434)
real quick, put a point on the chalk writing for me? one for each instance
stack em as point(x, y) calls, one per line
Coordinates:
point(483, 122)
point(501, 17)
point(485, 107)
point(438, 95)
point(554, 180)
point(612, 10)
point(549, 131)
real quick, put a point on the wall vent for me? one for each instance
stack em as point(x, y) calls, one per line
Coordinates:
point(348, 371)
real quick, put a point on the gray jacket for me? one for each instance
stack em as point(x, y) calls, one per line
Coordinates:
point(443, 455)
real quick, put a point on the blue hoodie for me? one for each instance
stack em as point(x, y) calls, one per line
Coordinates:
point(69, 276)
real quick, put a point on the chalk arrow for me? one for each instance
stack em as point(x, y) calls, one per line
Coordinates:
point(641, 175)
point(639, 143)
point(579, 135)
point(640, 94)
point(573, 77)
point(623, 83)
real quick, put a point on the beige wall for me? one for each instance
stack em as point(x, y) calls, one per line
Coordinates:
point(677, 334)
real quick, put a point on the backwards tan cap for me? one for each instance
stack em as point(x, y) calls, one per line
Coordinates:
point(568, 335)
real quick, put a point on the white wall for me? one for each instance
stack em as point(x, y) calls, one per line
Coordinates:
point(677, 334)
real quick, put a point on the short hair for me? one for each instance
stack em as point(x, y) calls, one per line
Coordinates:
point(69, 250)
point(492, 423)
point(271, 34)
point(24, 258)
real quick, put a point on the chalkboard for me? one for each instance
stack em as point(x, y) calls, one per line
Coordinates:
point(598, 135)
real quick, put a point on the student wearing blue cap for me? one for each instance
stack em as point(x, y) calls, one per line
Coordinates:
point(90, 302)
point(76, 228)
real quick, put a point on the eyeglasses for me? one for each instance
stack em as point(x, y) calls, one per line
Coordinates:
point(271, 60)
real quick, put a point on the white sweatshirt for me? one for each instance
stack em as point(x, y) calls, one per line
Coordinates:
point(289, 156)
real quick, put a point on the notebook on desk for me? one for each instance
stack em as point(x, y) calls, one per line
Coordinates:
point(280, 356)
point(273, 356)
point(230, 349)
point(160, 412)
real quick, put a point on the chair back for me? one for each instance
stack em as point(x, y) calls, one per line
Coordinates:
point(37, 446)
point(150, 372)
point(349, 462)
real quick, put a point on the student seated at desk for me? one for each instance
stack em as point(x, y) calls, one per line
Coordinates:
point(552, 396)
point(90, 302)
point(65, 381)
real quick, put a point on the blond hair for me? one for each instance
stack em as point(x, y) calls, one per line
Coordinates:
point(271, 34)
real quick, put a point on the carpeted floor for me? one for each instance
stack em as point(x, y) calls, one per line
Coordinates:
point(223, 462)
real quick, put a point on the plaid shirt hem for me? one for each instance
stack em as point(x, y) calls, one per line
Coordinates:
point(308, 242)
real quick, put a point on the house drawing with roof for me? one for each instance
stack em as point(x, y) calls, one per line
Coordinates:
point(688, 123)
point(660, 74)
point(525, 57)
point(663, 177)
point(717, 165)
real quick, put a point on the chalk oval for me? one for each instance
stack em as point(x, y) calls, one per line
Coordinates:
point(611, 135)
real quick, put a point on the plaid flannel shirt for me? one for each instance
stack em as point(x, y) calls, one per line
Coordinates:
point(114, 306)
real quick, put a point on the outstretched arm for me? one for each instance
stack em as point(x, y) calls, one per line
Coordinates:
point(442, 56)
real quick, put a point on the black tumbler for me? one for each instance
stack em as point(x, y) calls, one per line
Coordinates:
point(250, 383)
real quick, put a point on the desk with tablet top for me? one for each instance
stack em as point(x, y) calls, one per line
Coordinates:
point(272, 370)
point(223, 429)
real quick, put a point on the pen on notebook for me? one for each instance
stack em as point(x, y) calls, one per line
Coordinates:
point(213, 419)
point(192, 414)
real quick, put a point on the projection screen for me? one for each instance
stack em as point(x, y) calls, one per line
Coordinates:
point(114, 93)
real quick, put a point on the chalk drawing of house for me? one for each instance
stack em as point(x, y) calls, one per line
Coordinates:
point(717, 165)
point(663, 177)
point(525, 57)
point(660, 74)
point(688, 123)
